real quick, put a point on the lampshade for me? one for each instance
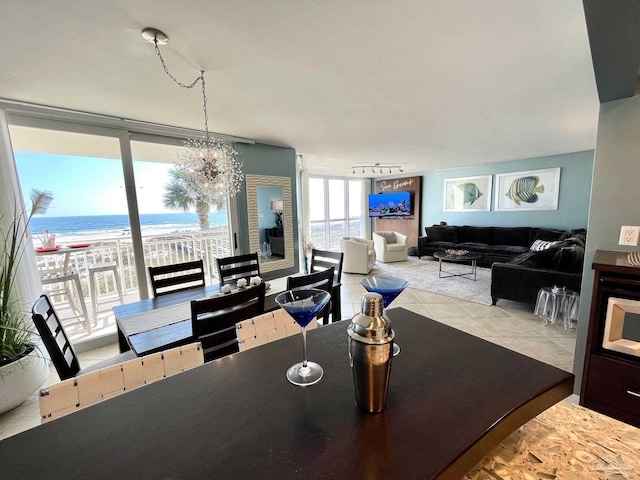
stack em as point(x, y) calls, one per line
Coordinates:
point(277, 205)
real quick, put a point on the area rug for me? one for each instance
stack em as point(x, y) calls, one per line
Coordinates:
point(423, 275)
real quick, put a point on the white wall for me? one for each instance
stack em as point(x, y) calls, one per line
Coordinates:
point(615, 197)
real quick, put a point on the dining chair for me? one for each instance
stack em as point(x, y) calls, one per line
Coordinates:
point(322, 280)
point(57, 343)
point(323, 259)
point(266, 328)
point(176, 277)
point(79, 392)
point(231, 269)
point(213, 320)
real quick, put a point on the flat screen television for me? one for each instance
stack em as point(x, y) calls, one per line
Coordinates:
point(392, 204)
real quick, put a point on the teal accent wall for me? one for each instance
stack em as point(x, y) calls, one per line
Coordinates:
point(573, 201)
point(260, 159)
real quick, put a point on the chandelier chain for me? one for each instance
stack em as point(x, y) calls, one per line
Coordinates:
point(184, 85)
point(208, 165)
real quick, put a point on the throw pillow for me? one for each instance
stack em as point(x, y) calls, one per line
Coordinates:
point(540, 245)
point(390, 237)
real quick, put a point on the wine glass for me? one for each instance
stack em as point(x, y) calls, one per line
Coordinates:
point(303, 304)
point(389, 288)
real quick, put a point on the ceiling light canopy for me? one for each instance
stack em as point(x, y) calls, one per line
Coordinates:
point(209, 165)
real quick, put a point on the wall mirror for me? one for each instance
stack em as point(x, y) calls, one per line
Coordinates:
point(270, 221)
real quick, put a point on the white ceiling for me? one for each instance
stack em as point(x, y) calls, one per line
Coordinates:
point(427, 84)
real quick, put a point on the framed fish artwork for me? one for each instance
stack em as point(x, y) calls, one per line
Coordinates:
point(468, 194)
point(530, 190)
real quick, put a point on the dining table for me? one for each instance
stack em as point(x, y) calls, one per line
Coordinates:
point(163, 322)
point(452, 398)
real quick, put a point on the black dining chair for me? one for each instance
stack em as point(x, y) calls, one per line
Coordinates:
point(213, 320)
point(322, 280)
point(323, 259)
point(57, 343)
point(176, 277)
point(231, 269)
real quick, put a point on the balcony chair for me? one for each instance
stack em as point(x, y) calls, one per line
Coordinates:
point(359, 255)
point(94, 286)
point(77, 393)
point(177, 277)
point(322, 280)
point(57, 343)
point(232, 269)
point(390, 246)
point(60, 282)
point(265, 328)
point(213, 320)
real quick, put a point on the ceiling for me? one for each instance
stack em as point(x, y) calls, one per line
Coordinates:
point(427, 84)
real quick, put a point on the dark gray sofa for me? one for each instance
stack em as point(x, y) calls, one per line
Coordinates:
point(495, 244)
point(522, 278)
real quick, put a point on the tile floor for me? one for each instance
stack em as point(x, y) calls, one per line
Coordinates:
point(509, 324)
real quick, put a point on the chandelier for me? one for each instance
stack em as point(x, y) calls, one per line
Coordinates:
point(377, 166)
point(208, 165)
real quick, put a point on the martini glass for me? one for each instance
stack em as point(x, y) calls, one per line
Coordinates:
point(389, 288)
point(303, 304)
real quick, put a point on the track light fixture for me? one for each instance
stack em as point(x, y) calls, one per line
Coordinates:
point(377, 166)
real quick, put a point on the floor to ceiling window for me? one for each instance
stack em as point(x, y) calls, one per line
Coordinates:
point(87, 223)
point(115, 205)
point(176, 225)
point(335, 211)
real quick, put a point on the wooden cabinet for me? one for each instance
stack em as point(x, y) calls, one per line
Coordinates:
point(611, 380)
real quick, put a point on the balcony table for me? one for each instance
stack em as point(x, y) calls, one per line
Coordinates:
point(155, 324)
point(452, 398)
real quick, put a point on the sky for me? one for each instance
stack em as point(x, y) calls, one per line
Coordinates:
point(91, 186)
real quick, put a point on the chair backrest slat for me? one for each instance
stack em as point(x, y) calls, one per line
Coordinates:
point(177, 277)
point(87, 389)
point(55, 339)
point(213, 320)
point(322, 280)
point(324, 259)
point(241, 266)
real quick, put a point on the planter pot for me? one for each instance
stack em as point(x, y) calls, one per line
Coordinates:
point(20, 379)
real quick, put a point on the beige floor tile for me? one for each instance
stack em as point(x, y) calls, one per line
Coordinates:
point(541, 349)
point(449, 310)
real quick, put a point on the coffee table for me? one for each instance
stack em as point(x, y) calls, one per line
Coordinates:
point(469, 257)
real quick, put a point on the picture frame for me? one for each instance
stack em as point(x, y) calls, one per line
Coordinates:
point(527, 190)
point(467, 194)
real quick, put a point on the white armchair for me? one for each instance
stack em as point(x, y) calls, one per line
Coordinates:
point(359, 255)
point(390, 246)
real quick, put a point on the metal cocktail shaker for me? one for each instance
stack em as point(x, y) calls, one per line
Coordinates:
point(370, 353)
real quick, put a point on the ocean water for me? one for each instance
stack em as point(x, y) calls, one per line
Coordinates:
point(119, 224)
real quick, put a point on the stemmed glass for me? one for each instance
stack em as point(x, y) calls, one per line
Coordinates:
point(389, 288)
point(303, 304)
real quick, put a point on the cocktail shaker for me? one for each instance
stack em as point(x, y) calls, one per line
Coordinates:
point(371, 353)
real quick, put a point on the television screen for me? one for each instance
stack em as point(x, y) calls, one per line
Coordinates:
point(391, 204)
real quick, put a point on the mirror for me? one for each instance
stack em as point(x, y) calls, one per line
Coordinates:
point(270, 220)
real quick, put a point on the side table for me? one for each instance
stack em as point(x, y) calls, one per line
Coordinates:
point(558, 303)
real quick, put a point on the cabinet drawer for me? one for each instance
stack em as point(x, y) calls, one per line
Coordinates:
point(615, 383)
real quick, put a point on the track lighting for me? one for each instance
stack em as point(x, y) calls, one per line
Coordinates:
point(377, 166)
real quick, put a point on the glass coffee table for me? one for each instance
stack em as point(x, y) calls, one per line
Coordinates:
point(458, 258)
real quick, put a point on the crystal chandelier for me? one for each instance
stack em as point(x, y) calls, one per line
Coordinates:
point(209, 165)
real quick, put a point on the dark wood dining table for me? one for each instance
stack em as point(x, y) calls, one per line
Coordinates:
point(179, 332)
point(452, 398)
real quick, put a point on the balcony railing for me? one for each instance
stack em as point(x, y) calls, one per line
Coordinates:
point(158, 250)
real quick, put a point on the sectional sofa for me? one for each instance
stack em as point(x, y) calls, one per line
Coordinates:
point(522, 259)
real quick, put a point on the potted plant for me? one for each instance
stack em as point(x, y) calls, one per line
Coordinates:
point(23, 368)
